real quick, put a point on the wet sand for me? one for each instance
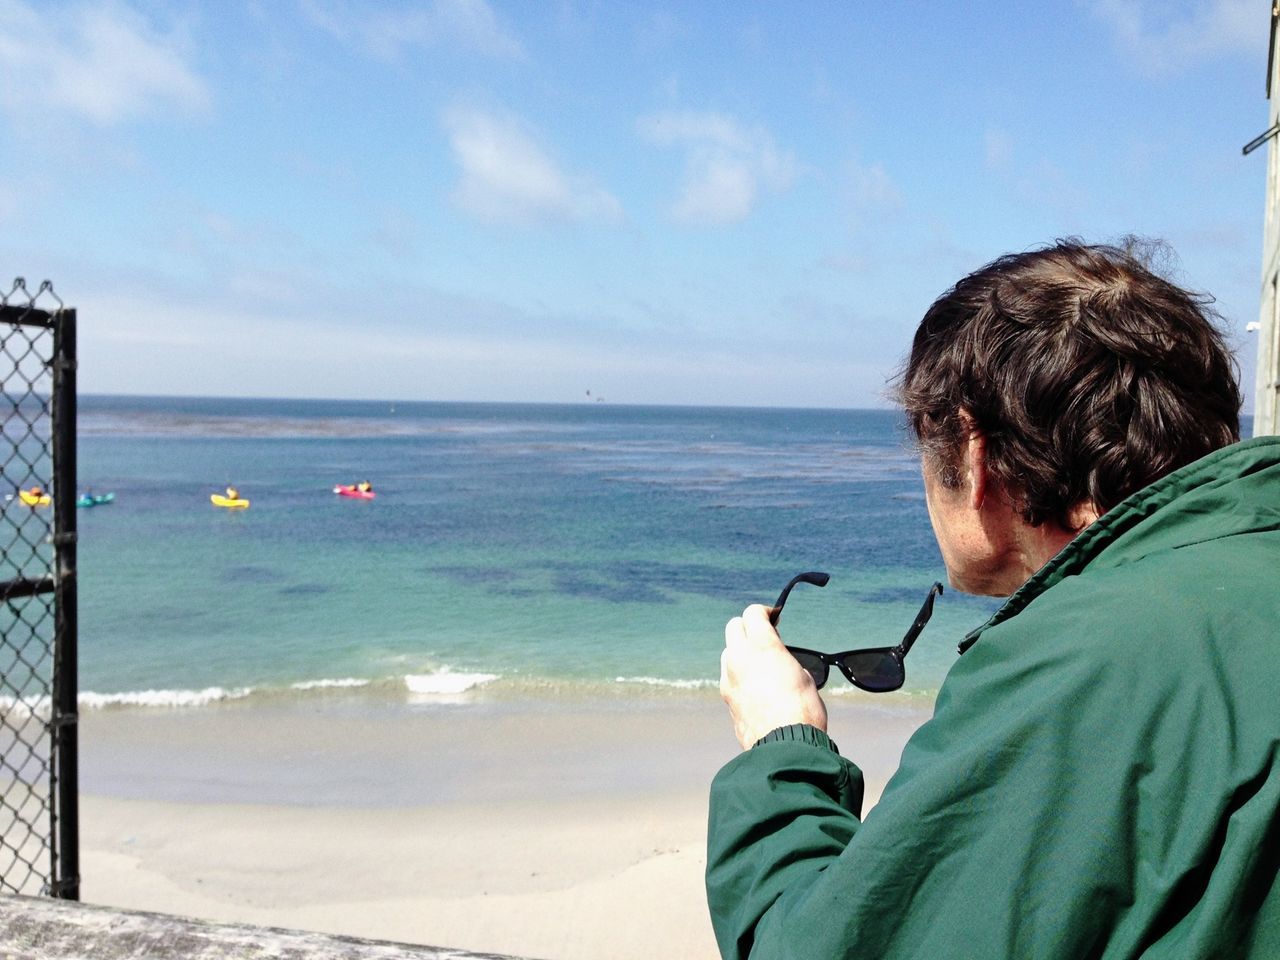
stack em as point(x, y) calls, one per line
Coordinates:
point(547, 830)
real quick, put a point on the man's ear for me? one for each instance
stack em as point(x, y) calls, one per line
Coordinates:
point(975, 462)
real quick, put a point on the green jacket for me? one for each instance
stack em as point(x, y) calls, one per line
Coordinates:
point(1101, 777)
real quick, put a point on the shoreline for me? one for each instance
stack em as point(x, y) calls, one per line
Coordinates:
point(556, 831)
point(347, 749)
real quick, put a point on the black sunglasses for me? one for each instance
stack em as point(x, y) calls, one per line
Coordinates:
point(878, 669)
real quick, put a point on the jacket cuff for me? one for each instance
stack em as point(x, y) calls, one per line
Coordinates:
point(804, 732)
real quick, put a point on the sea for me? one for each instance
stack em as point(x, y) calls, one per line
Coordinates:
point(513, 550)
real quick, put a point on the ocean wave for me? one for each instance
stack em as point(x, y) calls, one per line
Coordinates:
point(162, 698)
point(340, 684)
point(910, 697)
point(673, 684)
point(441, 687)
point(446, 682)
point(441, 683)
point(41, 707)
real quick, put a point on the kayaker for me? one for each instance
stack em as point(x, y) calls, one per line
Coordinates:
point(233, 493)
point(364, 486)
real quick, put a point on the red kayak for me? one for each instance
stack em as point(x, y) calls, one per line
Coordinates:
point(349, 490)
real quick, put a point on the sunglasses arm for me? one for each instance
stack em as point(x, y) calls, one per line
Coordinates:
point(922, 618)
point(814, 577)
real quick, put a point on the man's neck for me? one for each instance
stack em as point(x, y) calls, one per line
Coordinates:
point(1036, 546)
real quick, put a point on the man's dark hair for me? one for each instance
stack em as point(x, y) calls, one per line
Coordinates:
point(1089, 375)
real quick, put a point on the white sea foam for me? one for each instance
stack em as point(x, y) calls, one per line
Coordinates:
point(343, 682)
point(26, 706)
point(446, 681)
point(161, 698)
point(675, 684)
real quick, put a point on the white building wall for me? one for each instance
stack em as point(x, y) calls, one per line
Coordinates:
point(1266, 406)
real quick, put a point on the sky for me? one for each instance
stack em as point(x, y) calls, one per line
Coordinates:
point(746, 203)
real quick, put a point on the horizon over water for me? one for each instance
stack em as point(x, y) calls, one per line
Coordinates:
point(532, 550)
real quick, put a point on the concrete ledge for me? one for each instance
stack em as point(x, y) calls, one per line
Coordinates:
point(40, 928)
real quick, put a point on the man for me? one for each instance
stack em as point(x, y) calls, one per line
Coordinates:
point(1101, 777)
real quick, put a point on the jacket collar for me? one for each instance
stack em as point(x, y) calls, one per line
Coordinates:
point(1232, 490)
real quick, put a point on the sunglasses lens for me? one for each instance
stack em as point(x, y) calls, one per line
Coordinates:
point(815, 665)
point(877, 671)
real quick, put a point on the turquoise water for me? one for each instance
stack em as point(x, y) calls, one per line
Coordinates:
point(539, 548)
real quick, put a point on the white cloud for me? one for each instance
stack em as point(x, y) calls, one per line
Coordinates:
point(873, 189)
point(388, 33)
point(726, 165)
point(101, 62)
point(721, 190)
point(1166, 38)
point(507, 177)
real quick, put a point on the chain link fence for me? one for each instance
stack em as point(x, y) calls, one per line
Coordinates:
point(38, 805)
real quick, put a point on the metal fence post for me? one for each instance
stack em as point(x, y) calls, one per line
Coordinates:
point(65, 719)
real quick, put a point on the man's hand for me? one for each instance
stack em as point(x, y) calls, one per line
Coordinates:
point(762, 684)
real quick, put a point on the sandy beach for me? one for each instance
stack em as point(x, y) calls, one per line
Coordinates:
point(560, 831)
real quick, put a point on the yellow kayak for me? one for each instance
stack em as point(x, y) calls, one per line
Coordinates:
point(220, 501)
point(34, 500)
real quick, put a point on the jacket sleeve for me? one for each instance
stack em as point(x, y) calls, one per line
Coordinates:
point(780, 813)
point(1005, 832)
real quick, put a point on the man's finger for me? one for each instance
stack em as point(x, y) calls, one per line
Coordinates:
point(734, 633)
point(759, 632)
